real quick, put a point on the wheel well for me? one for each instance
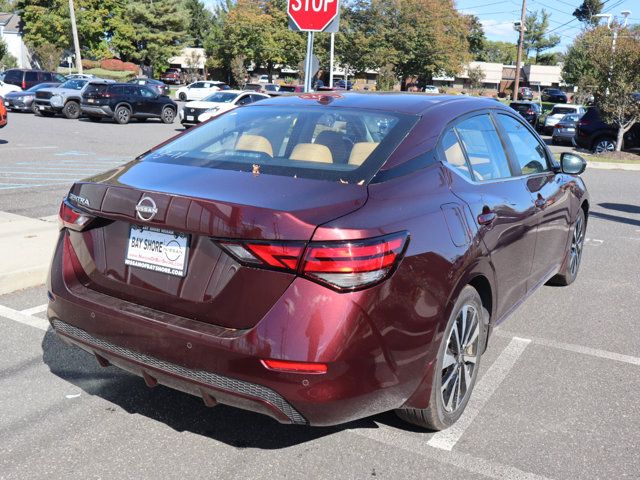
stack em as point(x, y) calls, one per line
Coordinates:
point(604, 136)
point(585, 207)
point(482, 285)
point(126, 105)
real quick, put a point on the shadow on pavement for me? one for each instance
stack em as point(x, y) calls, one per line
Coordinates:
point(621, 207)
point(614, 218)
point(183, 412)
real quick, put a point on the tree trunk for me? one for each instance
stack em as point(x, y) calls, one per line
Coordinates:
point(270, 71)
point(620, 138)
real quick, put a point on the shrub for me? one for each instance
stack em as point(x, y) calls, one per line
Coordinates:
point(112, 64)
point(89, 64)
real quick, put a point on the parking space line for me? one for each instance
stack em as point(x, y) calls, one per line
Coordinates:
point(35, 310)
point(479, 466)
point(484, 389)
point(571, 347)
point(20, 317)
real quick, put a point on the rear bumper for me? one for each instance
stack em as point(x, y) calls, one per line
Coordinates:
point(101, 111)
point(222, 365)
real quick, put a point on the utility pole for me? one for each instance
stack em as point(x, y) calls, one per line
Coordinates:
point(76, 42)
point(331, 56)
point(516, 83)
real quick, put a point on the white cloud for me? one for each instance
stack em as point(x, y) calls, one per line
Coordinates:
point(499, 29)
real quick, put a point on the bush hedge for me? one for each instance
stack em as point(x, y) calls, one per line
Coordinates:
point(116, 65)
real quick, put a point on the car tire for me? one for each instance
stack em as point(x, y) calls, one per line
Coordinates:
point(571, 264)
point(94, 118)
point(168, 115)
point(445, 404)
point(604, 144)
point(183, 96)
point(122, 115)
point(71, 110)
point(34, 108)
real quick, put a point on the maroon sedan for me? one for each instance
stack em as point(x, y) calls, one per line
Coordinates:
point(322, 257)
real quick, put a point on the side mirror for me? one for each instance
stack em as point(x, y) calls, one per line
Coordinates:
point(572, 163)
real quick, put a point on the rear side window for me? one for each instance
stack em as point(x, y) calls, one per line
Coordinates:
point(322, 142)
point(454, 155)
point(529, 153)
point(95, 88)
point(31, 77)
point(13, 76)
point(483, 147)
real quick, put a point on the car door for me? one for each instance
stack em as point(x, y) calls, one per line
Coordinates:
point(244, 99)
point(551, 191)
point(499, 201)
point(196, 91)
point(149, 101)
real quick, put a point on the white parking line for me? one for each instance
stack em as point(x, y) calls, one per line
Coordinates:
point(484, 389)
point(20, 317)
point(477, 466)
point(571, 347)
point(35, 310)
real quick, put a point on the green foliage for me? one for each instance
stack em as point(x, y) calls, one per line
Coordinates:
point(536, 39)
point(6, 59)
point(499, 52)
point(7, 6)
point(200, 19)
point(238, 70)
point(475, 37)
point(586, 10)
point(46, 22)
point(48, 55)
point(476, 76)
point(386, 78)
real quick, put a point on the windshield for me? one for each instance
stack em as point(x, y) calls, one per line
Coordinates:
point(562, 110)
point(221, 97)
point(521, 107)
point(40, 86)
point(74, 84)
point(338, 144)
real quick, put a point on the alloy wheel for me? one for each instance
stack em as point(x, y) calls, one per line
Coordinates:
point(123, 115)
point(168, 115)
point(460, 358)
point(576, 246)
point(605, 145)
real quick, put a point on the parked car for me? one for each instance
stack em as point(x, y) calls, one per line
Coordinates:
point(6, 88)
point(24, 101)
point(431, 89)
point(64, 98)
point(254, 87)
point(592, 133)
point(152, 83)
point(291, 88)
point(3, 114)
point(199, 90)
point(26, 78)
point(525, 93)
point(553, 95)
point(319, 261)
point(565, 129)
point(217, 103)
point(559, 111)
point(124, 101)
point(80, 76)
point(530, 111)
point(171, 76)
point(263, 79)
point(342, 85)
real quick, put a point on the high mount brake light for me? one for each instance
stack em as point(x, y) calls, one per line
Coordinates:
point(73, 219)
point(341, 265)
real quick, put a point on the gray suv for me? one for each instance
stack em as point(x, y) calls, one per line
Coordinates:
point(64, 99)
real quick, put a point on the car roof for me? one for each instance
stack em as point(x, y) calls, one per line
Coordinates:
point(400, 102)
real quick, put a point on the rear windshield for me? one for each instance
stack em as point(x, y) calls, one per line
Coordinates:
point(562, 110)
point(521, 107)
point(96, 88)
point(287, 88)
point(322, 142)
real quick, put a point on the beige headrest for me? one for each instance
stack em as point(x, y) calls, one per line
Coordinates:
point(455, 155)
point(254, 143)
point(361, 151)
point(312, 152)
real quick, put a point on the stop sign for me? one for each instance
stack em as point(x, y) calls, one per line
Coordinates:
point(312, 15)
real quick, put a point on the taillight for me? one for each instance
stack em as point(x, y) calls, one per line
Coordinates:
point(530, 112)
point(24, 85)
point(583, 123)
point(295, 367)
point(72, 218)
point(341, 265)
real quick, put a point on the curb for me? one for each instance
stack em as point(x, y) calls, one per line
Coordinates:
point(614, 166)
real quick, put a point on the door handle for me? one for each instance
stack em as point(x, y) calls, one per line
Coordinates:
point(486, 217)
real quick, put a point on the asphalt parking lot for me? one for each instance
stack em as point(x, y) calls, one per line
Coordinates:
point(556, 399)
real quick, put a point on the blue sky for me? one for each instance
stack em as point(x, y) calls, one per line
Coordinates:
point(497, 16)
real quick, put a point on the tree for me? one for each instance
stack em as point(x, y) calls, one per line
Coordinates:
point(476, 76)
point(48, 55)
point(150, 32)
point(6, 59)
point(193, 60)
point(46, 22)
point(475, 37)
point(499, 52)
point(7, 6)
point(587, 9)
point(386, 78)
point(239, 70)
point(200, 20)
point(535, 36)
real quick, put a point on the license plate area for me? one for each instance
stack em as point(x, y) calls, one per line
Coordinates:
point(157, 250)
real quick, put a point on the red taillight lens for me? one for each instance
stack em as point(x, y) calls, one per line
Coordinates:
point(294, 367)
point(530, 112)
point(341, 265)
point(73, 219)
point(24, 85)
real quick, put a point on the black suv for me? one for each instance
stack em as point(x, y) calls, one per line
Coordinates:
point(530, 111)
point(554, 95)
point(595, 135)
point(123, 101)
point(25, 78)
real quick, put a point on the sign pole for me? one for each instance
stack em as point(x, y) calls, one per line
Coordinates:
point(333, 39)
point(307, 64)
